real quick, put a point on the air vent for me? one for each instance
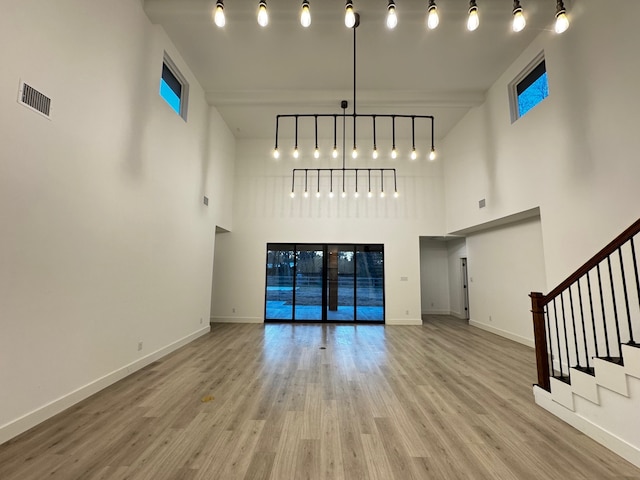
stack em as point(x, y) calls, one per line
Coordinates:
point(35, 100)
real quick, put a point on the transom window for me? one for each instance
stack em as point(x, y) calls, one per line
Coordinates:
point(529, 88)
point(173, 87)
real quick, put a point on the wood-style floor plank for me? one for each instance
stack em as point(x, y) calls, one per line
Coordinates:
point(442, 401)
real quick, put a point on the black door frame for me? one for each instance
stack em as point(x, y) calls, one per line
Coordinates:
point(325, 249)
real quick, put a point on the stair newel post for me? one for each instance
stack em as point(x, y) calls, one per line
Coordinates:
point(540, 337)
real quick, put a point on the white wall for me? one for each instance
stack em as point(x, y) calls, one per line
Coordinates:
point(505, 264)
point(263, 212)
point(106, 241)
point(574, 155)
point(434, 275)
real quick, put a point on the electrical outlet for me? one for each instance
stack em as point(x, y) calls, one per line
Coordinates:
point(233, 310)
point(490, 318)
point(200, 320)
point(139, 346)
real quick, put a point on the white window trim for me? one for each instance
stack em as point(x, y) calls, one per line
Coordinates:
point(184, 95)
point(513, 94)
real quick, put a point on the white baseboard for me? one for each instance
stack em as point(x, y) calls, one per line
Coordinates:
point(403, 321)
point(503, 333)
point(31, 419)
point(600, 435)
point(236, 320)
point(436, 312)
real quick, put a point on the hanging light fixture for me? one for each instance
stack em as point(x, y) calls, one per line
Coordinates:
point(349, 15)
point(263, 15)
point(519, 22)
point(562, 22)
point(218, 15)
point(432, 15)
point(354, 173)
point(305, 14)
point(392, 18)
point(473, 21)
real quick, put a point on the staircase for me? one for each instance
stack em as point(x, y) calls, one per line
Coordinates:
point(587, 354)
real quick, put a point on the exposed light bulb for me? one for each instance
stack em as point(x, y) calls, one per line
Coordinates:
point(334, 153)
point(414, 154)
point(306, 194)
point(349, 15)
point(432, 154)
point(433, 19)
point(375, 153)
point(519, 22)
point(317, 194)
point(356, 195)
point(562, 22)
point(296, 153)
point(382, 194)
point(354, 153)
point(394, 153)
point(292, 194)
point(473, 21)
point(263, 16)
point(276, 153)
point(369, 195)
point(395, 195)
point(344, 194)
point(392, 18)
point(316, 153)
point(331, 194)
point(218, 16)
point(305, 15)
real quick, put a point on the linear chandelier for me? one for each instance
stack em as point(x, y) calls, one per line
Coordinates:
point(432, 15)
point(326, 175)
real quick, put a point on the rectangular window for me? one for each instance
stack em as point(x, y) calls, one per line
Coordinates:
point(529, 88)
point(173, 87)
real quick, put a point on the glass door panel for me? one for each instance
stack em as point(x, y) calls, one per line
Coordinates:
point(340, 283)
point(279, 285)
point(308, 282)
point(337, 283)
point(369, 283)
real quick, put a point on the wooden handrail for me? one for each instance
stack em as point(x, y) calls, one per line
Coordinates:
point(595, 260)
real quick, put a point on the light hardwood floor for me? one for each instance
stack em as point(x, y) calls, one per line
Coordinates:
point(441, 401)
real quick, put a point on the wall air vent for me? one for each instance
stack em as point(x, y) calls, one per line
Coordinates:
point(35, 100)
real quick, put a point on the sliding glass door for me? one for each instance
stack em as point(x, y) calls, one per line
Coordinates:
point(335, 283)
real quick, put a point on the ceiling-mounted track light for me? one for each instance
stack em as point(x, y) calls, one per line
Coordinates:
point(473, 21)
point(432, 15)
point(218, 14)
point(562, 22)
point(305, 14)
point(519, 22)
point(349, 15)
point(392, 18)
point(263, 15)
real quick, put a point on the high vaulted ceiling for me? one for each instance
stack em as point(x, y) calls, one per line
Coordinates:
point(251, 73)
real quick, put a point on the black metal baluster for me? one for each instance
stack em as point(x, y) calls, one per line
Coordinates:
point(575, 333)
point(635, 269)
point(626, 296)
point(555, 314)
point(593, 318)
point(604, 317)
point(566, 339)
point(584, 329)
point(549, 337)
point(615, 307)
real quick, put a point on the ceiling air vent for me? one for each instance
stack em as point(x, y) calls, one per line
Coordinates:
point(35, 100)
